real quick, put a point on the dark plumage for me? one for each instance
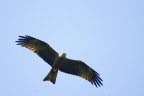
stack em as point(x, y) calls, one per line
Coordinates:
point(57, 62)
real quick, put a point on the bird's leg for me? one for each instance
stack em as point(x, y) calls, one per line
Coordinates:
point(54, 69)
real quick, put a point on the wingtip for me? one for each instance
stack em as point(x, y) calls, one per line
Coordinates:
point(21, 36)
point(97, 81)
point(25, 36)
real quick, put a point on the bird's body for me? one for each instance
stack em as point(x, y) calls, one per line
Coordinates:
point(74, 67)
point(56, 66)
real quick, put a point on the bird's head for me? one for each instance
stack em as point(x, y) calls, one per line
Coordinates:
point(62, 55)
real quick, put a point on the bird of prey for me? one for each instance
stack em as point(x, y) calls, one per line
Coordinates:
point(59, 62)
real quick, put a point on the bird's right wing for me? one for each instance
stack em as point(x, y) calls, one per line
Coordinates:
point(79, 68)
point(39, 47)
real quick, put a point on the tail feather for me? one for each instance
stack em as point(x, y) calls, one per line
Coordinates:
point(51, 76)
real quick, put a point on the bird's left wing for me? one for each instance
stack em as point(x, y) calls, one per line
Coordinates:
point(39, 47)
point(79, 68)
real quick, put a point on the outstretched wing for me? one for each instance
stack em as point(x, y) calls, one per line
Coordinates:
point(39, 47)
point(79, 68)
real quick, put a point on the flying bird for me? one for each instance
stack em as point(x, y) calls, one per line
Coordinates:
point(59, 62)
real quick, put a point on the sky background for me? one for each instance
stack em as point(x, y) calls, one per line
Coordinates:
point(108, 35)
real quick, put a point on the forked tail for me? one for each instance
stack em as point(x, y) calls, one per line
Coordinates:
point(51, 76)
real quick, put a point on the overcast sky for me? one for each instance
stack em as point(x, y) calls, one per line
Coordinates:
point(108, 35)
